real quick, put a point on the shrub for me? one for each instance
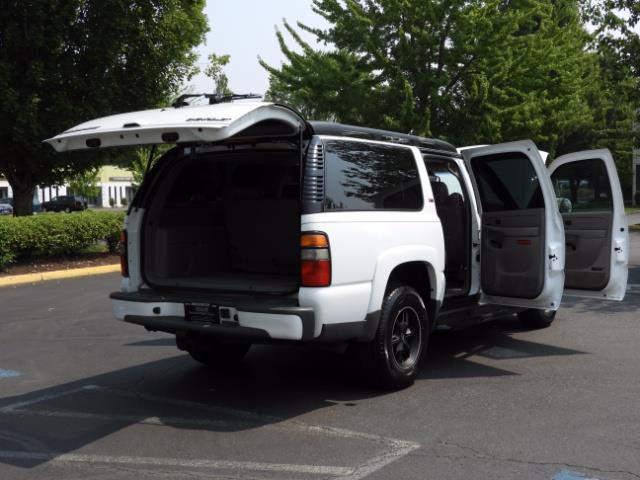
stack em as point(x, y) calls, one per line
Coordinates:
point(124, 202)
point(112, 202)
point(56, 234)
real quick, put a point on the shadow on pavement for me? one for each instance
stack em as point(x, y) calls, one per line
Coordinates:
point(450, 352)
point(276, 383)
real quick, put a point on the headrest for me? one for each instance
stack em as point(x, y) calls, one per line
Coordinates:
point(455, 199)
point(440, 192)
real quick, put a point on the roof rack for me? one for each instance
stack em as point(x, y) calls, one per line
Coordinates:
point(213, 98)
point(423, 143)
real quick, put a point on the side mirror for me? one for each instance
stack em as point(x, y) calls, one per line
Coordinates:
point(564, 205)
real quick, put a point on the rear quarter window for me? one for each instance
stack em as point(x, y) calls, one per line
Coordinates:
point(362, 176)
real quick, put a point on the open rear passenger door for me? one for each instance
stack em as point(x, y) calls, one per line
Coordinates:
point(596, 233)
point(522, 238)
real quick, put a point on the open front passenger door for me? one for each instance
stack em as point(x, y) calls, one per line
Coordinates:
point(596, 233)
point(522, 237)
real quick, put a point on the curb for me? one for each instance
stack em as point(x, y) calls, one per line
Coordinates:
point(57, 275)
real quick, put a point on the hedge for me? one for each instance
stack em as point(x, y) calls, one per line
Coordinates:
point(52, 234)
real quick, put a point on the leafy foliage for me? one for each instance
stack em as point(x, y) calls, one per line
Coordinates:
point(62, 63)
point(56, 234)
point(614, 96)
point(215, 71)
point(141, 159)
point(473, 72)
point(85, 184)
point(469, 72)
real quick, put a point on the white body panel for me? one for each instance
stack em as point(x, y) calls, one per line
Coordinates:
point(280, 327)
point(551, 295)
point(366, 247)
point(133, 226)
point(364, 251)
point(208, 123)
point(474, 287)
point(617, 285)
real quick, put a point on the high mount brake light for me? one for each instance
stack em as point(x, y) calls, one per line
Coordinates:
point(315, 264)
point(124, 254)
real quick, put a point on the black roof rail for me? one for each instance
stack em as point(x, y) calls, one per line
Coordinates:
point(213, 98)
point(423, 143)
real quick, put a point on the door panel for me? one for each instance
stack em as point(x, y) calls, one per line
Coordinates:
point(588, 243)
point(522, 237)
point(596, 236)
point(512, 244)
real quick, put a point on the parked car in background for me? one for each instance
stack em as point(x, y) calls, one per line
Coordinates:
point(5, 208)
point(36, 206)
point(64, 203)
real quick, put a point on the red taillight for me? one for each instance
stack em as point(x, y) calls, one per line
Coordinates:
point(124, 256)
point(315, 262)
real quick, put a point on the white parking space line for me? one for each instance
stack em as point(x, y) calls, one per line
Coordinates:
point(382, 460)
point(40, 399)
point(176, 462)
point(132, 419)
point(391, 449)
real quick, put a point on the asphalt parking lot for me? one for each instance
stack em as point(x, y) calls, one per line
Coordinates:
point(84, 396)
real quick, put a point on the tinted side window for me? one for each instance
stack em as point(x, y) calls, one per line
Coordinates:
point(362, 176)
point(507, 182)
point(583, 186)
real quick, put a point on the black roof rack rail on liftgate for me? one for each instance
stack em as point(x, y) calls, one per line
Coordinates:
point(213, 98)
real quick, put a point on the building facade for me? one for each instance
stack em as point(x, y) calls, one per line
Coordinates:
point(115, 183)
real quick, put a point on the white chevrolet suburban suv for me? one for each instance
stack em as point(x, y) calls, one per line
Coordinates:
point(259, 226)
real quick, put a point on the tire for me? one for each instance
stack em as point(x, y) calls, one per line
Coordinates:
point(67, 210)
point(392, 358)
point(220, 354)
point(536, 319)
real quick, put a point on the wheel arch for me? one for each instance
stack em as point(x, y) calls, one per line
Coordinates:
point(419, 267)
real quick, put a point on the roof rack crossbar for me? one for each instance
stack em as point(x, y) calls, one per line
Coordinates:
point(213, 98)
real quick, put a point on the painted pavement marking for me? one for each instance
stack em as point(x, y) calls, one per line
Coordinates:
point(569, 475)
point(393, 449)
point(176, 462)
point(8, 373)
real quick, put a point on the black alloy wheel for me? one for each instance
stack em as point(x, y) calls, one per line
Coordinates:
point(406, 338)
point(392, 359)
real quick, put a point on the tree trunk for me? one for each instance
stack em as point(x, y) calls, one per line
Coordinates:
point(22, 201)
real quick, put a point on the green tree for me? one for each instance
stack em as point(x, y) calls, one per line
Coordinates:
point(140, 162)
point(85, 184)
point(615, 97)
point(215, 71)
point(62, 63)
point(466, 71)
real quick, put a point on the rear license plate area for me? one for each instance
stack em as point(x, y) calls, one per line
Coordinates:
point(202, 312)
